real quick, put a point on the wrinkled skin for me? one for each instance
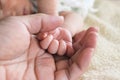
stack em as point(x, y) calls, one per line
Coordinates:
point(21, 58)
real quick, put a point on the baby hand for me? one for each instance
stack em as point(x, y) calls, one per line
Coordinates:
point(57, 41)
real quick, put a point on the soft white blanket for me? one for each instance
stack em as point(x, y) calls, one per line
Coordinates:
point(106, 60)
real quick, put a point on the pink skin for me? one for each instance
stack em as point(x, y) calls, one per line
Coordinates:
point(21, 58)
point(72, 22)
point(61, 38)
point(49, 24)
point(84, 45)
point(15, 7)
point(24, 7)
point(48, 6)
point(57, 41)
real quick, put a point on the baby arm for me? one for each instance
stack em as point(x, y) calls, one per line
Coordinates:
point(47, 6)
point(72, 22)
point(57, 41)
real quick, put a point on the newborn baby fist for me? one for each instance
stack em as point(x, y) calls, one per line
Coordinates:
point(57, 41)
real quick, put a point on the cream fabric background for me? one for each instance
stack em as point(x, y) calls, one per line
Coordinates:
point(106, 60)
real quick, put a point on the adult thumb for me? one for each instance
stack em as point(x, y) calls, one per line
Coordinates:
point(41, 22)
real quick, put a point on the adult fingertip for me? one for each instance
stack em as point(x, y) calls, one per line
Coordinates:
point(51, 22)
point(95, 29)
point(61, 17)
point(57, 19)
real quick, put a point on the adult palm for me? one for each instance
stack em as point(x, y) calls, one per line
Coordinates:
point(21, 58)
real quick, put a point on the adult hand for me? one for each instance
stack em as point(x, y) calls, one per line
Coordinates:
point(18, 45)
point(22, 59)
point(73, 67)
point(68, 68)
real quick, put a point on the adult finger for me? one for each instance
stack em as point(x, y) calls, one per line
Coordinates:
point(85, 38)
point(82, 58)
point(41, 22)
point(82, 62)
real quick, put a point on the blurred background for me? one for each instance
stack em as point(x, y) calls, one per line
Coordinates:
point(105, 15)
